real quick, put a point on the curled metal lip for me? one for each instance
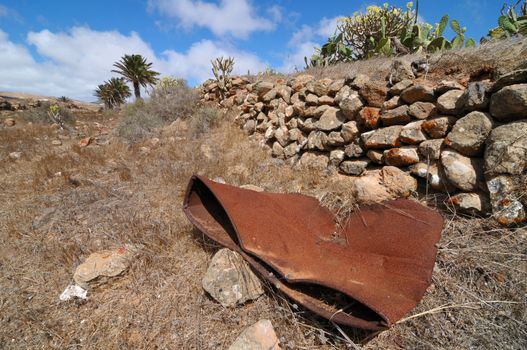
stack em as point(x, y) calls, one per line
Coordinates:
point(367, 273)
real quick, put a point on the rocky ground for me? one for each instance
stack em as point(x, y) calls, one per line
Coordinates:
point(80, 207)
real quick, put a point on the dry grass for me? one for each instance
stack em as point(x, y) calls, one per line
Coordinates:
point(60, 204)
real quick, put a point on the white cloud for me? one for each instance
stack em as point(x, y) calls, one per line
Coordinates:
point(303, 42)
point(228, 17)
point(73, 63)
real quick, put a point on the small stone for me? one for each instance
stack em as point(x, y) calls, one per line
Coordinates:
point(249, 126)
point(313, 160)
point(400, 157)
point(438, 127)
point(351, 106)
point(504, 198)
point(284, 92)
point(230, 280)
point(349, 131)
point(374, 94)
point(15, 155)
point(73, 291)
point(354, 167)
point(401, 70)
point(291, 150)
point(319, 111)
point(434, 175)
point(370, 117)
point(300, 82)
point(418, 93)
point(262, 87)
point(391, 103)
point(321, 87)
point(259, 336)
point(421, 110)
point(475, 96)
point(9, 122)
point(397, 116)
point(382, 138)
point(461, 171)
point(451, 102)
point(336, 157)
point(471, 203)
point(353, 150)
point(506, 149)
point(343, 93)
point(431, 149)
point(56, 142)
point(100, 266)
point(400, 87)
point(331, 119)
point(277, 150)
point(359, 81)
point(282, 135)
point(376, 156)
point(469, 133)
point(381, 185)
point(311, 100)
point(335, 139)
point(84, 142)
point(325, 100)
point(447, 85)
point(317, 140)
point(289, 111)
point(336, 86)
point(510, 103)
point(412, 133)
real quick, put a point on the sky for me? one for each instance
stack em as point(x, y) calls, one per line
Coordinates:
point(67, 48)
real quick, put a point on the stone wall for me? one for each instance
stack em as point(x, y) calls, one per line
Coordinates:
point(468, 140)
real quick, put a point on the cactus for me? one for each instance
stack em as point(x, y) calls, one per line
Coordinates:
point(222, 68)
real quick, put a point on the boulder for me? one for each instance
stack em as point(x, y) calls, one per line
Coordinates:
point(259, 336)
point(434, 175)
point(461, 171)
point(469, 133)
point(351, 106)
point(99, 267)
point(451, 102)
point(421, 110)
point(382, 138)
point(331, 119)
point(380, 185)
point(475, 96)
point(418, 93)
point(438, 127)
point(313, 160)
point(401, 157)
point(431, 149)
point(397, 116)
point(230, 280)
point(506, 149)
point(370, 117)
point(354, 167)
point(412, 133)
point(471, 203)
point(336, 86)
point(510, 103)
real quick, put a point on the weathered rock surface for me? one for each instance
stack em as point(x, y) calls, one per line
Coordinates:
point(349, 131)
point(438, 127)
point(382, 138)
point(434, 174)
point(412, 133)
point(461, 171)
point(451, 102)
point(351, 106)
point(401, 157)
point(506, 150)
point(471, 203)
point(370, 117)
point(313, 160)
point(331, 119)
point(475, 96)
point(400, 70)
point(431, 149)
point(229, 279)
point(512, 78)
point(397, 116)
point(400, 87)
point(421, 110)
point(385, 184)
point(505, 197)
point(469, 133)
point(354, 167)
point(259, 336)
point(418, 93)
point(509, 103)
point(374, 94)
point(103, 265)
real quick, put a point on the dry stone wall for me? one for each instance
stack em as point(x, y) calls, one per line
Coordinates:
point(469, 141)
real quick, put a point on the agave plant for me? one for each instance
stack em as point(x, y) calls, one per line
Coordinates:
point(113, 92)
point(135, 69)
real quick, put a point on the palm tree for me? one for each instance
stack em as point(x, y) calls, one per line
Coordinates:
point(113, 92)
point(136, 70)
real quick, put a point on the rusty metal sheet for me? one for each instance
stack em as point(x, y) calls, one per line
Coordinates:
point(367, 273)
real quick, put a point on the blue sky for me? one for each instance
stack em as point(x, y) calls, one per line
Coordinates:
point(60, 47)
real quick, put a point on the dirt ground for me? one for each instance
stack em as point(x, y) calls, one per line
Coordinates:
point(58, 204)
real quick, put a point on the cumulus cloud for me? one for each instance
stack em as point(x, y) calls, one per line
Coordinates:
point(303, 42)
point(228, 17)
point(72, 63)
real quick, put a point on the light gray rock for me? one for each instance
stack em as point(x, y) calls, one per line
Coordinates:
point(277, 150)
point(391, 103)
point(313, 160)
point(401, 70)
point(350, 131)
point(321, 87)
point(418, 93)
point(506, 149)
point(396, 116)
point(353, 150)
point(259, 336)
point(447, 85)
point(343, 93)
point(335, 139)
point(229, 279)
point(505, 197)
point(291, 150)
point(331, 119)
point(351, 106)
point(400, 87)
point(317, 140)
point(510, 103)
point(475, 96)
point(469, 133)
point(311, 100)
point(354, 167)
point(282, 136)
point(421, 110)
point(412, 133)
point(431, 149)
point(336, 157)
point(263, 87)
point(375, 156)
point(463, 172)
point(471, 203)
point(451, 102)
point(434, 175)
point(382, 138)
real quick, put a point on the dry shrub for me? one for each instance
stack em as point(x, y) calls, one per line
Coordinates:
point(138, 124)
point(40, 114)
point(203, 119)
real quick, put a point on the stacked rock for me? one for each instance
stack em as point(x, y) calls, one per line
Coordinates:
point(468, 141)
